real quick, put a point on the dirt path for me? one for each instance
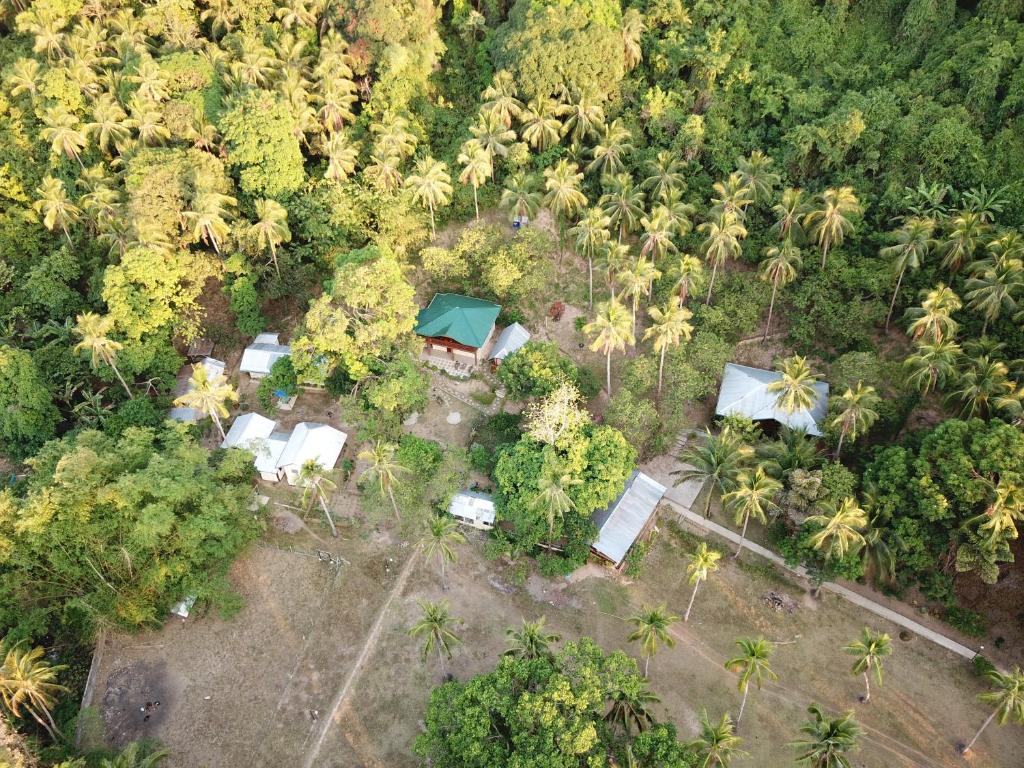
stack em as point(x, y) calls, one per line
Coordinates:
point(369, 646)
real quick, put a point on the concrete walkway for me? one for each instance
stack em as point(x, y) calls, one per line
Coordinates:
point(682, 497)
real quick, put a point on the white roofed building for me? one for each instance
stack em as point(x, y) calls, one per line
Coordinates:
point(260, 356)
point(509, 340)
point(627, 518)
point(310, 442)
point(213, 368)
point(256, 434)
point(473, 508)
point(744, 392)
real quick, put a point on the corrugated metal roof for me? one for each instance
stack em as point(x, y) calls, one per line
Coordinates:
point(310, 441)
point(464, 319)
point(260, 356)
point(213, 368)
point(509, 340)
point(473, 505)
point(248, 427)
point(622, 522)
point(745, 392)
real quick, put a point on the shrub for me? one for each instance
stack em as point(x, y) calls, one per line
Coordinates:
point(537, 369)
point(971, 623)
point(282, 378)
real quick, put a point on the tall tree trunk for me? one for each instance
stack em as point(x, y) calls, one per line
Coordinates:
point(476, 204)
point(273, 258)
point(867, 687)
point(707, 503)
point(714, 271)
point(636, 300)
point(444, 580)
point(743, 704)
point(743, 537)
point(120, 378)
point(53, 731)
point(590, 280)
point(433, 230)
point(824, 252)
point(327, 513)
point(984, 725)
point(892, 304)
point(608, 370)
point(686, 616)
point(839, 445)
point(220, 427)
point(394, 505)
point(647, 664)
point(68, 236)
point(771, 308)
point(661, 368)
point(444, 666)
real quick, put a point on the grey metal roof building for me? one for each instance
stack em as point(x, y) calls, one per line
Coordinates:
point(745, 392)
point(625, 519)
point(509, 340)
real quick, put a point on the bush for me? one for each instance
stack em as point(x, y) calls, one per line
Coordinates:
point(635, 559)
point(138, 412)
point(971, 623)
point(537, 369)
point(282, 378)
point(245, 303)
point(553, 566)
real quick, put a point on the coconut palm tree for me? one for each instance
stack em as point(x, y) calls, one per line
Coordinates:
point(439, 542)
point(716, 463)
point(753, 496)
point(623, 203)
point(29, 682)
point(827, 739)
point(342, 156)
point(932, 364)
point(612, 145)
point(383, 469)
point(583, 117)
point(829, 223)
point(722, 243)
point(789, 214)
point(563, 196)
point(912, 242)
point(499, 98)
point(994, 288)
point(756, 174)
point(476, 169)
point(209, 395)
point(383, 171)
point(552, 498)
point(541, 127)
point(1006, 699)
point(615, 259)
point(717, 743)
point(669, 327)
point(56, 207)
point(521, 197)
point(795, 391)
point(932, 319)
point(656, 239)
point(590, 235)
point(636, 281)
point(703, 563)
point(665, 176)
point(779, 267)
point(270, 228)
point(690, 271)
point(965, 232)
point(651, 628)
point(24, 77)
point(435, 628)
point(61, 129)
point(985, 202)
point(208, 218)
point(870, 650)
point(982, 381)
point(632, 31)
point(316, 488)
point(630, 707)
point(679, 213)
point(732, 197)
point(611, 331)
point(855, 413)
point(531, 641)
point(841, 528)
point(109, 124)
point(431, 186)
point(998, 523)
point(94, 331)
point(752, 664)
point(493, 135)
point(393, 137)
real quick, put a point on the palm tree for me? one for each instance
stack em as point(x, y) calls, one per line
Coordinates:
point(632, 31)
point(636, 282)
point(499, 98)
point(476, 169)
point(623, 203)
point(665, 176)
point(383, 171)
point(435, 629)
point(756, 174)
point(982, 382)
point(721, 244)
point(552, 492)
point(870, 649)
point(29, 681)
point(652, 625)
point(795, 391)
point(94, 332)
point(431, 186)
point(716, 463)
point(530, 641)
point(933, 318)
point(965, 232)
point(656, 239)
point(717, 743)
point(208, 395)
point(316, 487)
point(62, 131)
point(932, 364)
point(615, 259)
point(270, 228)
point(582, 117)
point(342, 156)
point(611, 331)
point(828, 739)
point(998, 523)
point(493, 136)
point(830, 223)
point(383, 468)
point(520, 196)
point(669, 326)
point(994, 287)
point(138, 754)
point(913, 241)
point(690, 278)
point(1006, 699)
point(855, 413)
point(394, 137)
point(792, 450)
point(841, 528)
point(732, 197)
point(207, 218)
point(541, 127)
point(109, 123)
point(752, 664)
point(630, 707)
point(754, 496)
point(612, 145)
point(55, 206)
point(789, 214)
point(703, 563)
point(985, 202)
point(779, 268)
point(442, 535)
point(591, 234)
point(563, 197)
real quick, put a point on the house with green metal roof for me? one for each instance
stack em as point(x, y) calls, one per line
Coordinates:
point(457, 328)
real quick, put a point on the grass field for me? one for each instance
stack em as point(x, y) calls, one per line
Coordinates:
point(258, 689)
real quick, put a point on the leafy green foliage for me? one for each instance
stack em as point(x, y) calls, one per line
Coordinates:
point(282, 378)
point(260, 132)
point(537, 369)
point(28, 416)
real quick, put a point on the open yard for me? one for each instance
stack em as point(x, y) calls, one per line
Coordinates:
point(317, 670)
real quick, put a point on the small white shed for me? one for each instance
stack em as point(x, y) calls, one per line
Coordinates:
point(509, 340)
point(260, 356)
point(255, 433)
point(310, 441)
point(474, 509)
point(213, 368)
